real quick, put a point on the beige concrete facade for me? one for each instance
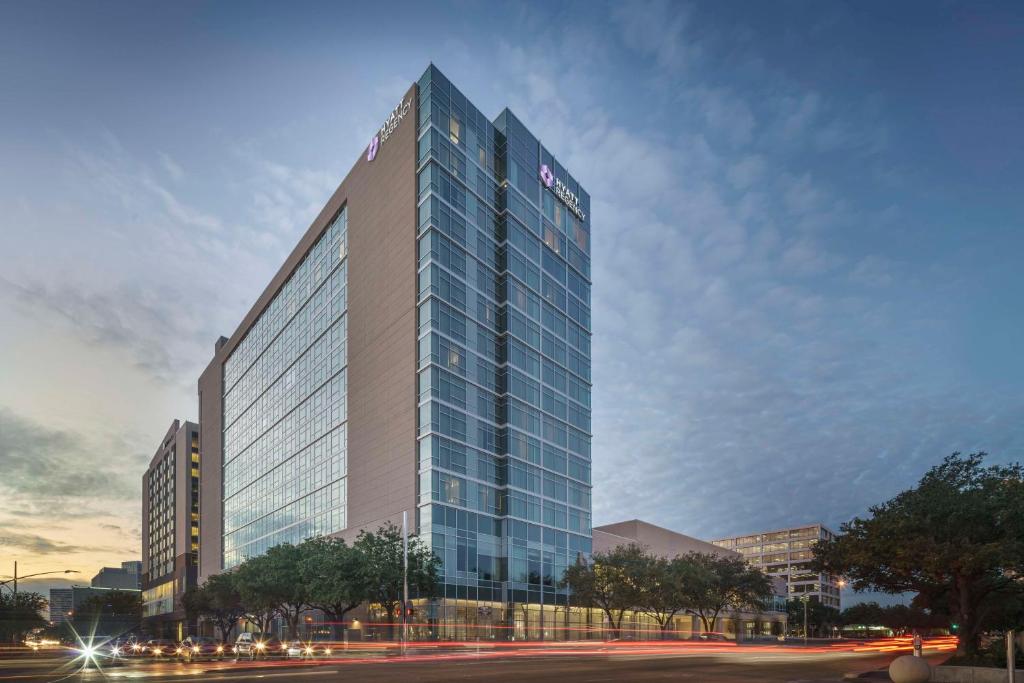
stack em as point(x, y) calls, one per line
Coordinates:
point(380, 197)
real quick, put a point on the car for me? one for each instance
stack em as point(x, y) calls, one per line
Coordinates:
point(256, 645)
point(158, 647)
point(200, 647)
point(306, 650)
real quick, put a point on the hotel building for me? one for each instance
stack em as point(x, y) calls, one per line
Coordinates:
point(170, 529)
point(425, 348)
point(787, 553)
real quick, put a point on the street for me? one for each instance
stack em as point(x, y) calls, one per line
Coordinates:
point(588, 662)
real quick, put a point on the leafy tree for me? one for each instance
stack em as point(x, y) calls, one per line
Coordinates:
point(381, 553)
point(663, 588)
point(820, 618)
point(19, 614)
point(957, 539)
point(287, 591)
point(218, 600)
point(335, 576)
point(718, 582)
point(256, 590)
point(863, 614)
point(611, 581)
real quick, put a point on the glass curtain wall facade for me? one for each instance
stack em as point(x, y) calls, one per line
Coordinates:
point(504, 334)
point(284, 404)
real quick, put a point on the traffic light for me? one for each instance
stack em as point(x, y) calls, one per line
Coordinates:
point(954, 627)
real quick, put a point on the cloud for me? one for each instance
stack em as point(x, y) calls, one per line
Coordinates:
point(39, 545)
point(44, 468)
point(657, 29)
point(173, 169)
point(738, 383)
point(159, 335)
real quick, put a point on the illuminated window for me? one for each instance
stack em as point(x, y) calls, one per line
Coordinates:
point(551, 239)
point(453, 129)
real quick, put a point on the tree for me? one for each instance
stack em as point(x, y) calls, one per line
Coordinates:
point(863, 614)
point(382, 561)
point(956, 539)
point(335, 577)
point(718, 582)
point(820, 618)
point(19, 614)
point(663, 588)
point(256, 590)
point(283, 580)
point(610, 582)
point(218, 600)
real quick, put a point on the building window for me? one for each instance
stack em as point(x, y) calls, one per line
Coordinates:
point(453, 129)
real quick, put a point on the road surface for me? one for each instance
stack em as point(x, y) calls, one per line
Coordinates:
point(593, 662)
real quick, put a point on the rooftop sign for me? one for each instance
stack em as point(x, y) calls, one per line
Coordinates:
point(571, 201)
point(397, 114)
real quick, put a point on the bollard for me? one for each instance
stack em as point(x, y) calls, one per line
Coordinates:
point(917, 644)
point(1011, 658)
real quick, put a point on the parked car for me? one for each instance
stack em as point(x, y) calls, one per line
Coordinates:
point(256, 645)
point(201, 647)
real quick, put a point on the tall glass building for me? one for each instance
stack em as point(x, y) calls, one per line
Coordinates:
point(424, 349)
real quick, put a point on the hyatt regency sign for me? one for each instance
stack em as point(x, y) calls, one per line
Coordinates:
point(388, 128)
point(571, 201)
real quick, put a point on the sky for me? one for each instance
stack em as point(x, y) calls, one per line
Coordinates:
point(807, 233)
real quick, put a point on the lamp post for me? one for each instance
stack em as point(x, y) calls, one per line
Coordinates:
point(15, 578)
point(842, 584)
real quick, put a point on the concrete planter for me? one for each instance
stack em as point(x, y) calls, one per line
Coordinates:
point(971, 674)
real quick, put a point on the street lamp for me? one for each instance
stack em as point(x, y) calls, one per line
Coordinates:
point(29, 576)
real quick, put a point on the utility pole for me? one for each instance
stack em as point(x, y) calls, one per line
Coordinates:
point(405, 578)
point(15, 581)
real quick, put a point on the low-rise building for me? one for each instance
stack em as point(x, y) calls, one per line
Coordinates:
point(128, 576)
point(733, 624)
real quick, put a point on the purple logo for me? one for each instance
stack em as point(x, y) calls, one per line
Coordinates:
point(547, 176)
point(371, 151)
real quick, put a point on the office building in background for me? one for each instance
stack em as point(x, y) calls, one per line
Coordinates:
point(787, 553)
point(170, 529)
point(425, 349)
point(61, 605)
point(127, 576)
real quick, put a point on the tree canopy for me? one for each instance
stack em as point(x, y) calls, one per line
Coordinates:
point(956, 539)
point(19, 614)
point(628, 578)
point(717, 582)
point(320, 573)
point(611, 581)
point(381, 553)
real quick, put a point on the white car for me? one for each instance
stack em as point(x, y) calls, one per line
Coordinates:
point(299, 649)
